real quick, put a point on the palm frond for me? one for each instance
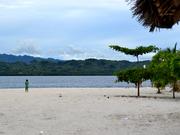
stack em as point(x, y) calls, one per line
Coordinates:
point(156, 13)
point(175, 48)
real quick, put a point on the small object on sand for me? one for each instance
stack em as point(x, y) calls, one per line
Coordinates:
point(104, 95)
point(126, 118)
point(108, 97)
point(41, 132)
point(60, 95)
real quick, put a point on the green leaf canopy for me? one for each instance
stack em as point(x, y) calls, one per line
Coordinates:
point(135, 52)
point(136, 75)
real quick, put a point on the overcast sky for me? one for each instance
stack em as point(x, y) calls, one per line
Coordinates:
point(75, 29)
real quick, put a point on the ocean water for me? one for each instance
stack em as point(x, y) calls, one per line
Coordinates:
point(64, 82)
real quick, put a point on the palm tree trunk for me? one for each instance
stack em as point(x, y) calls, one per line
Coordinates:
point(174, 85)
point(174, 94)
point(159, 91)
point(138, 86)
point(137, 58)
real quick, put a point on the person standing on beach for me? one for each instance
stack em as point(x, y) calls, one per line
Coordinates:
point(26, 85)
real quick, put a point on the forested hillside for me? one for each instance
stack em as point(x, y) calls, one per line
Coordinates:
point(71, 67)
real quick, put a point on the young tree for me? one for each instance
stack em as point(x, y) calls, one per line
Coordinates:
point(135, 52)
point(159, 69)
point(136, 76)
point(159, 84)
point(173, 62)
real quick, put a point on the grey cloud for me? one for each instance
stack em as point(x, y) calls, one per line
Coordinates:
point(72, 52)
point(27, 47)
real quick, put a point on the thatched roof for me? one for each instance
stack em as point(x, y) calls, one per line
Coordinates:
point(157, 13)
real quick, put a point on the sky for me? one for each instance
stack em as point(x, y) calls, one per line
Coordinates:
point(75, 29)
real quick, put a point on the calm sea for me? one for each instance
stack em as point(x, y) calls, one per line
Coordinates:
point(63, 82)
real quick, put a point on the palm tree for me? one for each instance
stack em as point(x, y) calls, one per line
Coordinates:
point(165, 67)
point(156, 13)
point(135, 76)
point(159, 70)
point(175, 63)
point(177, 67)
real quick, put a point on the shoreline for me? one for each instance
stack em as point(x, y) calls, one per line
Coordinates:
point(124, 91)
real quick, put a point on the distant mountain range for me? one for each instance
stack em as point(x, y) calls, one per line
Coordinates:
point(11, 65)
point(25, 58)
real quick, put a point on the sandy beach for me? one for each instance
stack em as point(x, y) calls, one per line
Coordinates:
point(85, 111)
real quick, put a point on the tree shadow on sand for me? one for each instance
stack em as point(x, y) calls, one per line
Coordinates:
point(147, 97)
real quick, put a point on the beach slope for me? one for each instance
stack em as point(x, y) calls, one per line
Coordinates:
point(85, 111)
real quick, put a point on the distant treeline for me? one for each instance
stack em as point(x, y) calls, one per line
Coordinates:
point(71, 67)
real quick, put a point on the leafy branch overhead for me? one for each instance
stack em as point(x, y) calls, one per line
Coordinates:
point(156, 13)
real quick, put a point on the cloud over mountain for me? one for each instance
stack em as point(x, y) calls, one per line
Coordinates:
point(27, 47)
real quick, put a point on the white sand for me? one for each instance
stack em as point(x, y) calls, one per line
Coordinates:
point(88, 112)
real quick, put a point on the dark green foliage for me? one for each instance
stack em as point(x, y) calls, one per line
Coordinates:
point(26, 59)
point(159, 84)
point(135, 52)
point(159, 69)
point(177, 65)
point(72, 67)
point(136, 76)
point(165, 68)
